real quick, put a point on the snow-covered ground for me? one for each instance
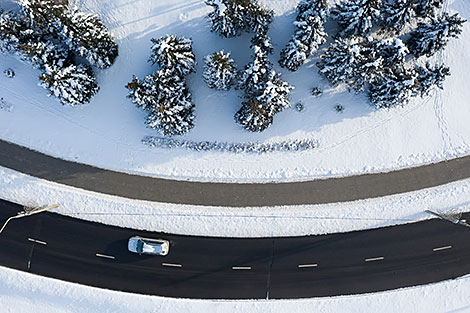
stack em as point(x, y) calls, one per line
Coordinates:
point(25, 293)
point(235, 222)
point(108, 131)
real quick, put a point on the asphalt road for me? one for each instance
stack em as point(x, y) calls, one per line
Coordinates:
point(56, 246)
point(226, 194)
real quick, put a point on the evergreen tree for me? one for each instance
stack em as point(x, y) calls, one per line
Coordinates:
point(263, 42)
point(230, 17)
point(309, 34)
point(258, 17)
point(396, 14)
point(394, 87)
point(164, 94)
point(72, 84)
point(430, 38)
point(15, 30)
point(356, 17)
point(86, 34)
point(227, 17)
point(220, 71)
point(173, 52)
point(427, 8)
point(265, 93)
point(429, 76)
point(44, 13)
point(347, 61)
point(42, 54)
point(392, 52)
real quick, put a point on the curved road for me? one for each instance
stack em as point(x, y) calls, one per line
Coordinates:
point(230, 194)
point(94, 254)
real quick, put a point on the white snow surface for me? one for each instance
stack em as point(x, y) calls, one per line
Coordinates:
point(108, 131)
point(235, 222)
point(23, 292)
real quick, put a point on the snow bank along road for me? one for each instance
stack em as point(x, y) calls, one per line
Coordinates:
point(228, 194)
point(53, 245)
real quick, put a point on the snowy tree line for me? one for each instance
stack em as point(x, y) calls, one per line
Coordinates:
point(51, 36)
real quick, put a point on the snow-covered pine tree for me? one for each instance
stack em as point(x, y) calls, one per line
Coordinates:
point(227, 17)
point(230, 17)
point(73, 84)
point(263, 42)
point(348, 61)
point(172, 111)
point(427, 8)
point(256, 74)
point(44, 13)
point(47, 53)
point(309, 34)
point(143, 92)
point(258, 17)
point(265, 92)
point(173, 52)
point(356, 17)
point(15, 30)
point(429, 38)
point(397, 14)
point(392, 51)
point(86, 34)
point(253, 116)
point(429, 76)
point(395, 86)
point(220, 71)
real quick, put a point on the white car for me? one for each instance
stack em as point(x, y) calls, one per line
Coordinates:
point(148, 246)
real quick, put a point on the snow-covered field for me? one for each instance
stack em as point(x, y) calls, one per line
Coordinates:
point(108, 131)
point(25, 293)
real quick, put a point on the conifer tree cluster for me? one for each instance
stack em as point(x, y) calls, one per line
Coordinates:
point(50, 35)
point(164, 94)
point(265, 92)
point(309, 33)
point(369, 54)
point(230, 18)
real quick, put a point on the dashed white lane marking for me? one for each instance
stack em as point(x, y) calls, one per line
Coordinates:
point(441, 248)
point(172, 264)
point(105, 256)
point(29, 264)
point(241, 267)
point(375, 259)
point(37, 241)
point(307, 265)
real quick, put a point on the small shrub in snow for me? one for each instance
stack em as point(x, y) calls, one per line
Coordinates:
point(220, 71)
point(9, 73)
point(339, 108)
point(309, 33)
point(73, 84)
point(4, 106)
point(287, 146)
point(316, 92)
point(356, 17)
point(299, 106)
point(230, 17)
point(433, 36)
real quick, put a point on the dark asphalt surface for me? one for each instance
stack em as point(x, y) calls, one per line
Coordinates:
point(228, 194)
point(206, 263)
